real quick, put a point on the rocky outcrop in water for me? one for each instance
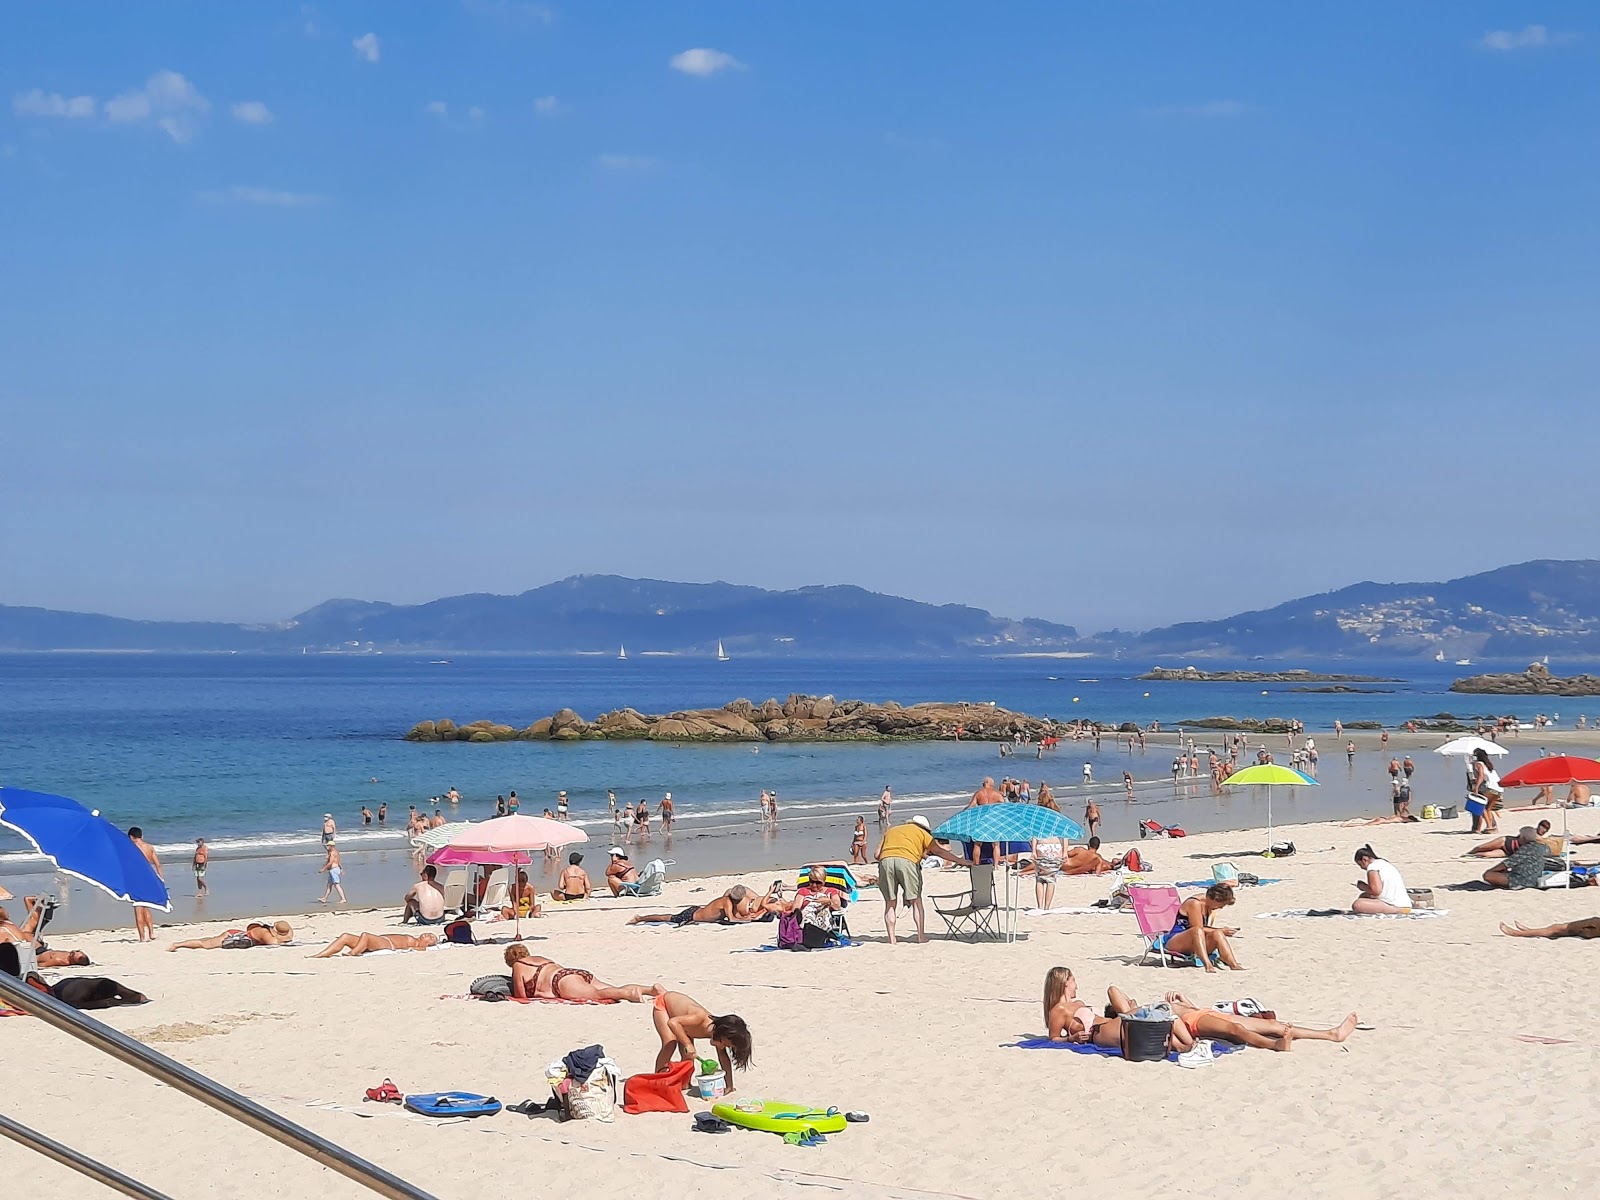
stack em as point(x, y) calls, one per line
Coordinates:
point(1194, 675)
point(797, 719)
point(1535, 681)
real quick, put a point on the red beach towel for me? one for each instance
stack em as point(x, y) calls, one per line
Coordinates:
point(662, 1092)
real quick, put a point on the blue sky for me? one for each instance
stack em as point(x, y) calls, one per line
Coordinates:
point(1114, 314)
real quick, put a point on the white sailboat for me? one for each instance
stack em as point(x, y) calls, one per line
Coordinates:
point(722, 655)
point(622, 653)
point(1439, 657)
point(1463, 662)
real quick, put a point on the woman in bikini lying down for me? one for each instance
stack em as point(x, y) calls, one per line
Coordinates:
point(535, 978)
point(1070, 1018)
point(1262, 1032)
point(357, 944)
point(257, 933)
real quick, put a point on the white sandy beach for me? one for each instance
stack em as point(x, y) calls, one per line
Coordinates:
point(1451, 1093)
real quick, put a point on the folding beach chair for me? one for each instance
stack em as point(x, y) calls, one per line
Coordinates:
point(975, 914)
point(650, 879)
point(455, 890)
point(497, 895)
point(1155, 909)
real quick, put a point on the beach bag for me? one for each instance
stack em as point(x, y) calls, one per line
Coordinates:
point(491, 987)
point(1145, 1032)
point(595, 1099)
point(1134, 862)
point(790, 934)
point(460, 932)
point(1430, 812)
point(1282, 849)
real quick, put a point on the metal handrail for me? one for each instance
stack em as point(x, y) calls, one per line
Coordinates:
point(84, 1165)
point(209, 1092)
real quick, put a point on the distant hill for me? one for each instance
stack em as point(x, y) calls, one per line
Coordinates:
point(586, 613)
point(1523, 611)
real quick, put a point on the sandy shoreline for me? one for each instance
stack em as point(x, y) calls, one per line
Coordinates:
point(288, 884)
point(1443, 1096)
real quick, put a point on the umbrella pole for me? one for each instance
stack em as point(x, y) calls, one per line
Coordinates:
point(516, 897)
point(1566, 847)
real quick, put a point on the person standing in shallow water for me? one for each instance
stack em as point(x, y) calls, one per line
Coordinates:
point(202, 856)
point(383, 813)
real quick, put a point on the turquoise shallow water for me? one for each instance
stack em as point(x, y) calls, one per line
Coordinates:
point(250, 751)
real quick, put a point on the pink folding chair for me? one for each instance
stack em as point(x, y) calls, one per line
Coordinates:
point(1156, 909)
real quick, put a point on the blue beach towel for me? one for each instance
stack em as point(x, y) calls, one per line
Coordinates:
point(1044, 1043)
point(1202, 883)
point(841, 944)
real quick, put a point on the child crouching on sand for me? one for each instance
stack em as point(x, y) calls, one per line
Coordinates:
point(680, 1019)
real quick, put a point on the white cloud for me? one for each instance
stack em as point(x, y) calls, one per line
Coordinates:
point(252, 112)
point(475, 113)
point(1531, 37)
point(437, 108)
point(168, 99)
point(548, 106)
point(367, 47)
point(1210, 109)
point(267, 197)
point(703, 62)
point(39, 103)
point(626, 162)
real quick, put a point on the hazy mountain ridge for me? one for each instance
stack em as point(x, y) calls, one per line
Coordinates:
point(585, 613)
point(1527, 610)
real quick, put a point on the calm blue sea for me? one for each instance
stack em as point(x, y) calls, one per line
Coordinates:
point(251, 751)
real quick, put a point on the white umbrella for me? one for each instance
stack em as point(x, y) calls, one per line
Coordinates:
point(1464, 746)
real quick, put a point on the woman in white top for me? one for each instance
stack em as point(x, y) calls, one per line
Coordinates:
point(1382, 891)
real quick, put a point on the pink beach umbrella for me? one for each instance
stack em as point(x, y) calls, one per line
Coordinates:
point(509, 842)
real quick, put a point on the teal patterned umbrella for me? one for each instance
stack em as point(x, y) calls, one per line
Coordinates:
point(1010, 822)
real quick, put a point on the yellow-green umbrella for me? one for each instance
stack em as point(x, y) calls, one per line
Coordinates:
point(1270, 775)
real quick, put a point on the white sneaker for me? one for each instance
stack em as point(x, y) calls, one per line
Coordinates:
point(1200, 1056)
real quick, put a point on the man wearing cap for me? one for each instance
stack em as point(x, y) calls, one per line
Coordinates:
point(900, 856)
point(620, 871)
point(666, 813)
point(329, 829)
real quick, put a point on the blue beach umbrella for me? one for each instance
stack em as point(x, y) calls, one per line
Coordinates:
point(1009, 822)
point(83, 844)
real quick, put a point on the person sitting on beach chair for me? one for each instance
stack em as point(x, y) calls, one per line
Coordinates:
point(1525, 866)
point(357, 944)
point(524, 901)
point(737, 906)
point(536, 978)
point(254, 934)
point(818, 907)
point(1193, 934)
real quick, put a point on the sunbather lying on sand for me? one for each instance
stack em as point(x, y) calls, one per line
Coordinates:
point(679, 1019)
point(736, 906)
point(1262, 1032)
point(535, 978)
point(357, 944)
point(254, 934)
point(1070, 1018)
point(1584, 927)
point(1087, 860)
point(1502, 847)
point(63, 958)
